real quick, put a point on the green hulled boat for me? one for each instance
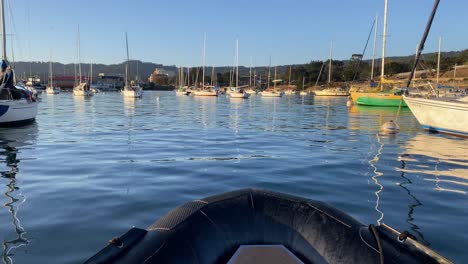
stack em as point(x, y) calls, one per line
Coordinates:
point(379, 99)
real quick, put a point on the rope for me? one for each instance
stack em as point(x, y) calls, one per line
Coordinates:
point(320, 74)
point(379, 244)
point(364, 51)
point(399, 108)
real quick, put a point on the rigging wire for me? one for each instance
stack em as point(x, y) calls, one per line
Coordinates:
point(356, 68)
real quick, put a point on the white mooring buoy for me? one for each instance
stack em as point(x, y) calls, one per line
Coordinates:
point(390, 127)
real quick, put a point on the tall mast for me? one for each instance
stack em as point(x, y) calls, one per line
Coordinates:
point(438, 60)
point(274, 81)
point(269, 66)
point(50, 71)
point(255, 78)
point(128, 60)
point(423, 40)
point(237, 62)
point(303, 81)
point(79, 54)
point(203, 62)
point(375, 42)
point(91, 75)
point(384, 42)
point(75, 73)
point(137, 62)
point(4, 55)
point(212, 75)
point(330, 65)
point(250, 72)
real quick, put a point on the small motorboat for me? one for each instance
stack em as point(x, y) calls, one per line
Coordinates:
point(260, 226)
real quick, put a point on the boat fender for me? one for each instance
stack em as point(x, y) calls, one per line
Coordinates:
point(390, 127)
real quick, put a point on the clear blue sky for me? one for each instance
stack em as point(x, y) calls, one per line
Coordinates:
point(171, 31)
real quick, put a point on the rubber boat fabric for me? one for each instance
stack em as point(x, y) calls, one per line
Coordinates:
point(211, 230)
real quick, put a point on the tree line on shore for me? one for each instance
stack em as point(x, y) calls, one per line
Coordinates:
point(317, 71)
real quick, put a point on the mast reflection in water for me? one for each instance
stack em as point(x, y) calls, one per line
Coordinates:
point(412, 206)
point(11, 141)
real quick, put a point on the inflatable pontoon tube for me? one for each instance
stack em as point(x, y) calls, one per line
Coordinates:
point(211, 230)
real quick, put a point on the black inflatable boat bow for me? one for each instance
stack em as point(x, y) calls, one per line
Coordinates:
point(212, 229)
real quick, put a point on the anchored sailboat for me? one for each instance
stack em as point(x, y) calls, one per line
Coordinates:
point(441, 114)
point(18, 106)
point(384, 94)
point(50, 88)
point(82, 88)
point(251, 89)
point(237, 91)
point(271, 92)
point(182, 89)
point(331, 91)
point(131, 89)
point(205, 90)
point(290, 90)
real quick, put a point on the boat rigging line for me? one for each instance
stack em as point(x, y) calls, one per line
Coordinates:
point(423, 40)
point(356, 68)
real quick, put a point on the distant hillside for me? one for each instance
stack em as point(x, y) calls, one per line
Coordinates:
point(146, 68)
point(427, 56)
point(42, 68)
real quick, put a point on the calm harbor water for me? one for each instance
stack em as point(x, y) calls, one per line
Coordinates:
point(91, 168)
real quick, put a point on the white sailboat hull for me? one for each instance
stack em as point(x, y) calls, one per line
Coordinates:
point(239, 95)
point(441, 115)
point(331, 92)
point(54, 90)
point(82, 93)
point(205, 93)
point(14, 112)
point(180, 93)
point(133, 92)
point(271, 94)
point(251, 92)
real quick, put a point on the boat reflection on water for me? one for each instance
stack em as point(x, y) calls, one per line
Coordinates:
point(11, 142)
point(206, 106)
point(129, 105)
point(440, 159)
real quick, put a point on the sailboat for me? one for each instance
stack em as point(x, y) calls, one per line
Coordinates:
point(182, 88)
point(50, 88)
point(251, 89)
point(205, 90)
point(93, 87)
point(303, 92)
point(290, 90)
point(331, 91)
point(82, 88)
point(440, 114)
point(131, 89)
point(271, 92)
point(237, 91)
point(18, 106)
point(385, 94)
